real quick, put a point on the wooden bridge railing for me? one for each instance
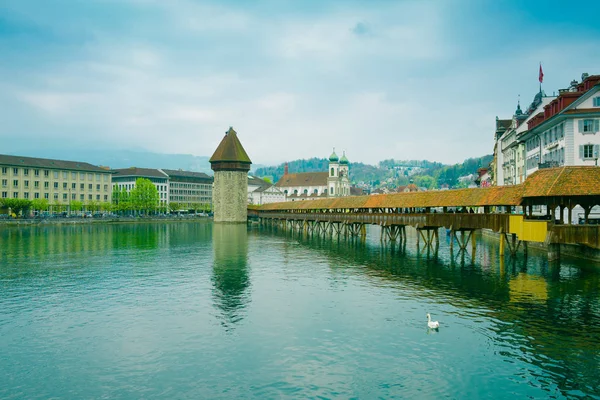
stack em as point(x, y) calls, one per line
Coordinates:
point(496, 222)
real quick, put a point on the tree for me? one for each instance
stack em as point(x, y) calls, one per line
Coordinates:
point(144, 195)
point(76, 205)
point(40, 204)
point(174, 206)
point(17, 206)
point(92, 205)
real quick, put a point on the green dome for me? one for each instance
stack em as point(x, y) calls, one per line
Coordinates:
point(344, 160)
point(333, 157)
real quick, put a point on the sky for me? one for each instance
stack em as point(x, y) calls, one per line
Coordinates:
point(377, 79)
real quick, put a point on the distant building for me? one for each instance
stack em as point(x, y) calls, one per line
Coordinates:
point(262, 192)
point(58, 181)
point(190, 190)
point(125, 179)
point(312, 185)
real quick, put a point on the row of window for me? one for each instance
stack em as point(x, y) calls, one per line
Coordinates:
point(56, 174)
point(130, 186)
point(187, 198)
point(36, 195)
point(553, 134)
point(533, 162)
point(190, 185)
point(556, 155)
point(532, 143)
point(36, 184)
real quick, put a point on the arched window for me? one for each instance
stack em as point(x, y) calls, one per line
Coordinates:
point(316, 191)
point(296, 191)
point(332, 172)
point(331, 191)
point(285, 191)
point(305, 191)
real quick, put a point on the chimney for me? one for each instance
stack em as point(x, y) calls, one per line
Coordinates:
point(285, 169)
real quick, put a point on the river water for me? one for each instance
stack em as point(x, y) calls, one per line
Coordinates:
point(196, 310)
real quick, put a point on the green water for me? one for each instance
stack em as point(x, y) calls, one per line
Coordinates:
point(192, 310)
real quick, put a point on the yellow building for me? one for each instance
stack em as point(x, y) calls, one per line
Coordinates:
point(59, 182)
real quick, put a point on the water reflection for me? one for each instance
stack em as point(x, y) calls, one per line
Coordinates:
point(230, 278)
point(546, 315)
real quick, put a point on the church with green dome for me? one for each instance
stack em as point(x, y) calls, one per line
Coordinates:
point(314, 185)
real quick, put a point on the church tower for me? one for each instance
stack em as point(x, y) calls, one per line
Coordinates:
point(334, 174)
point(230, 191)
point(344, 181)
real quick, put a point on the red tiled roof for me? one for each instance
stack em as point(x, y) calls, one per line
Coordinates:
point(563, 181)
point(303, 179)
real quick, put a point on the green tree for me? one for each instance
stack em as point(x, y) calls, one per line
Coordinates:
point(173, 206)
point(144, 196)
point(92, 205)
point(76, 205)
point(17, 206)
point(40, 204)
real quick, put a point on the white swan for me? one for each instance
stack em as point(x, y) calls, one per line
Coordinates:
point(432, 324)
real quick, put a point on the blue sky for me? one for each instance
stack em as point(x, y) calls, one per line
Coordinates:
point(378, 79)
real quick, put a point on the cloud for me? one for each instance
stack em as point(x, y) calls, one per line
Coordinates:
point(411, 79)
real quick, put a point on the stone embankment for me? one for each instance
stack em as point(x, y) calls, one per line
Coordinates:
point(103, 220)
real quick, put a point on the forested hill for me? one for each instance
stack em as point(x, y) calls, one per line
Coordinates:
point(391, 173)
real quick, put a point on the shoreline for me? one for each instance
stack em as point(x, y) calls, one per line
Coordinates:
point(82, 221)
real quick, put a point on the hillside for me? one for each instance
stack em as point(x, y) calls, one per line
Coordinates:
point(389, 173)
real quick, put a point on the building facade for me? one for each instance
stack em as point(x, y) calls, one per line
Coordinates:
point(125, 179)
point(261, 192)
point(57, 181)
point(190, 190)
point(313, 185)
point(512, 147)
point(567, 131)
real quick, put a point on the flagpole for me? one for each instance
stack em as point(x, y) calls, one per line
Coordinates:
point(541, 77)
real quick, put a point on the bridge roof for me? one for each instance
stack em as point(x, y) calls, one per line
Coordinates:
point(510, 195)
point(550, 182)
point(563, 181)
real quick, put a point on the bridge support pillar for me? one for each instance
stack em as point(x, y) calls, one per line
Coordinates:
point(554, 252)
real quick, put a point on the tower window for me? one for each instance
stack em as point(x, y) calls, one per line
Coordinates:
point(332, 172)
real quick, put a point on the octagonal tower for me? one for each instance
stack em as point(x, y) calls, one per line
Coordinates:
point(230, 191)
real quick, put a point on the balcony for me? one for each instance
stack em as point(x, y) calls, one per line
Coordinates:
point(548, 164)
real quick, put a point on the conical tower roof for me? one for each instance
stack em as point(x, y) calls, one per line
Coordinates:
point(230, 154)
point(333, 157)
point(344, 160)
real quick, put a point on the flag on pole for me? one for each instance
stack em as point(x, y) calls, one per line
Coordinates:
point(541, 78)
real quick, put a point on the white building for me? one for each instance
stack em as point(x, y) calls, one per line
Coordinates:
point(313, 185)
point(261, 192)
point(567, 132)
point(511, 162)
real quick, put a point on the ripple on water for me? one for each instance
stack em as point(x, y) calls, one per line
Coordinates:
point(180, 311)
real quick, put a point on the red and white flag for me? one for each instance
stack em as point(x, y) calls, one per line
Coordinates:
point(541, 78)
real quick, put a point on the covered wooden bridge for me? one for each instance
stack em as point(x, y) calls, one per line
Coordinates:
point(526, 212)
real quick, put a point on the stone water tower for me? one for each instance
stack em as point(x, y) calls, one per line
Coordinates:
point(230, 191)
